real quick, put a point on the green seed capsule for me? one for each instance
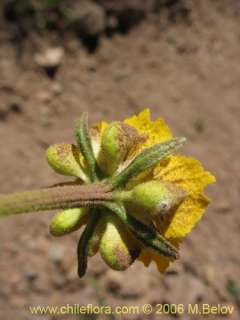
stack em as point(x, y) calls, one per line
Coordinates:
point(65, 159)
point(118, 247)
point(117, 141)
point(67, 221)
point(154, 197)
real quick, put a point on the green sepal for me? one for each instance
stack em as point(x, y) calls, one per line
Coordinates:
point(153, 198)
point(118, 247)
point(67, 221)
point(65, 159)
point(117, 141)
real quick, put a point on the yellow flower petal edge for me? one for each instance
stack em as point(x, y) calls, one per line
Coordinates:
point(157, 131)
point(100, 127)
point(189, 174)
point(148, 255)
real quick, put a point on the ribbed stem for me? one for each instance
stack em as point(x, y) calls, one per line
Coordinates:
point(61, 197)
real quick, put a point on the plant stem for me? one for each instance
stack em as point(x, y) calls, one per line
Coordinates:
point(122, 195)
point(147, 235)
point(61, 197)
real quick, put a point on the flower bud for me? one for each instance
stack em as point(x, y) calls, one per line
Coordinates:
point(67, 221)
point(117, 141)
point(155, 197)
point(65, 159)
point(118, 247)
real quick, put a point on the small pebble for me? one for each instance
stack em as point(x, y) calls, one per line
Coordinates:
point(50, 58)
point(56, 253)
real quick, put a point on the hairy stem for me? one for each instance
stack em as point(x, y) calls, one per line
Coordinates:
point(61, 197)
point(147, 235)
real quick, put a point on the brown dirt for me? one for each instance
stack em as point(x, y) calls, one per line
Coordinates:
point(187, 73)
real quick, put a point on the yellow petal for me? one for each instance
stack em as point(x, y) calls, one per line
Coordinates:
point(190, 175)
point(100, 127)
point(157, 131)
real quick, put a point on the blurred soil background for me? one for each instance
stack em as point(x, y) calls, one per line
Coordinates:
point(114, 58)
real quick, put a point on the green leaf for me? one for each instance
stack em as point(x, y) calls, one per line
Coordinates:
point(146, 159)
point(83, 243)
point(84, 142)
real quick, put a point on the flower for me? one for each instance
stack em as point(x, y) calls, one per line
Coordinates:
point(168, 195)
point(183, 171)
